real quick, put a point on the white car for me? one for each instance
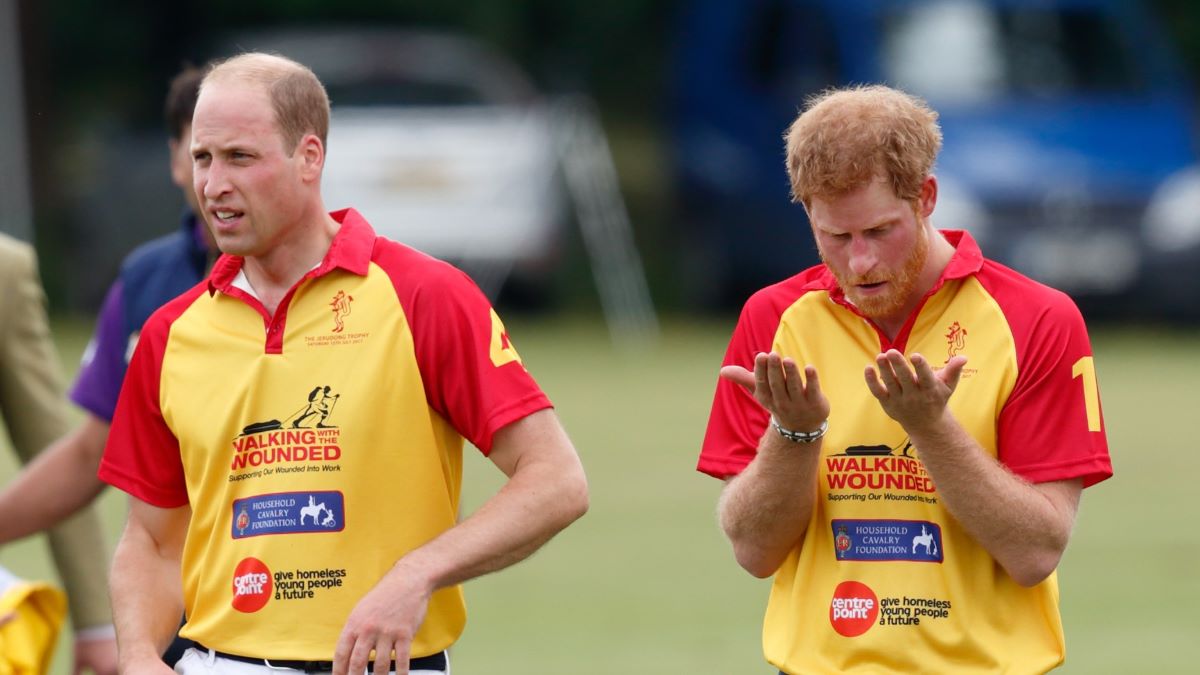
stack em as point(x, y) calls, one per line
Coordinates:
point(440, 143)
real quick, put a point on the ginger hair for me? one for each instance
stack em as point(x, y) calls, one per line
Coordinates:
point(847, 137)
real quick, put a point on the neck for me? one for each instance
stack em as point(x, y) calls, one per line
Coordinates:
point(276, 271)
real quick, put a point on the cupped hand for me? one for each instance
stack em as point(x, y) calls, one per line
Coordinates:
point(913, 393)
point(796, 402)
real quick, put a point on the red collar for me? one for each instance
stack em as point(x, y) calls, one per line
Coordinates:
point(350, 250)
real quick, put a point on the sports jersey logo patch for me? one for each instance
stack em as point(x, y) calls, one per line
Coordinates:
point(956, 340)
point(886, 471)
point(502, 350)
point(341, 309)
point(887, 540)
point(853, 609)
point(251, 585)
point(311, 415)
point(288, 513)
point(305, 436)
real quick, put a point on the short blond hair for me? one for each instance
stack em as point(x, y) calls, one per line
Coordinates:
point(298, 98)
point(847, 137)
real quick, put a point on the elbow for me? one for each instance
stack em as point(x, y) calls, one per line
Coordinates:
point(1030, 577)
point(754, 552)
point(580, 500)
point(758, 568)
point(87, 443)
point(1035, 568)
point(758, 562)
point(573, 499)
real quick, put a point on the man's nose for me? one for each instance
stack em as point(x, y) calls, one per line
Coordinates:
point(863, 257)
point(213, 180)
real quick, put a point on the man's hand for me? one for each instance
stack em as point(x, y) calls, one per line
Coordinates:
point(913, 395)
point(385, 620)
point(796, 403)
point(95, 655)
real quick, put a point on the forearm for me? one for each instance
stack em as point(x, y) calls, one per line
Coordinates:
point(536, 503)
point(546, 491)
point(56, 484)
point(765, 510)
point(147, 598)
point(1018, 523)
point(81, 554)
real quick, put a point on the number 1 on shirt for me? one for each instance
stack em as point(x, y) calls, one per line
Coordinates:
point(1086, 368)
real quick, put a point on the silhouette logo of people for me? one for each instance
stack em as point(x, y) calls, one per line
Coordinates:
point(312, 415)
point(314, 509)
point(925, 539)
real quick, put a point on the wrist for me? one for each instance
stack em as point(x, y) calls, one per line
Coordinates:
point(96, 633)
point(803, 436)
point(137, 660)
point(413, 573)
point(930, 428)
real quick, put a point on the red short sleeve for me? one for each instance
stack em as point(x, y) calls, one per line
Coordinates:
point(142, 456)
point(1052, 427)
point(737, 422)
point(471, 371)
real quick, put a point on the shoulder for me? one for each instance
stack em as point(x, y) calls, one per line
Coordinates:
point(158, 325)
point(1044, 322)
point(414, 273)
point(18, 279)
point(16, 256)
point(159, 253)
point(769, 303)
point(1024, 301)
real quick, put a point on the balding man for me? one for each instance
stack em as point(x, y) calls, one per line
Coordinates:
point(316, 542)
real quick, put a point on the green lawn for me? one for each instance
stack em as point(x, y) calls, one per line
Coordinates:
point(645, 582)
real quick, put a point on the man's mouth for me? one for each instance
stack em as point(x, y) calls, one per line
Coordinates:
point(226, 216)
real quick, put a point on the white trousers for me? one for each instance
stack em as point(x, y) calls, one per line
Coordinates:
point(203, 662)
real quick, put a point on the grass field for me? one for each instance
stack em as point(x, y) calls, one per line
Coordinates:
point(645, 582)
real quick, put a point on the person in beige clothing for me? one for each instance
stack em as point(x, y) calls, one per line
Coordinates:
point(34, 412)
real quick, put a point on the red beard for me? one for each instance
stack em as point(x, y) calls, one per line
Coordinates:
point(901, 283)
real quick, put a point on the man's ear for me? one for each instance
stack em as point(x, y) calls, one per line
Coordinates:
point(312, 156)
point(927, 197)
point(181, 162)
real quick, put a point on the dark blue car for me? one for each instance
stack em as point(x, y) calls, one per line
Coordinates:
point(1068, 147)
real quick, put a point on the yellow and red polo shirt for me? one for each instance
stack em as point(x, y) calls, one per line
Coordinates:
point(884, 579)
point(317, 446)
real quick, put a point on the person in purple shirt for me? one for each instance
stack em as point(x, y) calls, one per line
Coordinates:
point(62, 479)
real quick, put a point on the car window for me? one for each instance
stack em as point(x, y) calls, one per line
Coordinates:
point(949, 50)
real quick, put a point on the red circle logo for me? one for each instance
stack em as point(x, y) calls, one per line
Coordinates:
point(251, 585)
point(853, 609)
